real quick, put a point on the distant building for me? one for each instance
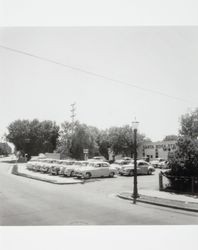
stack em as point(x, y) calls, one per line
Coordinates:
point(153, 150)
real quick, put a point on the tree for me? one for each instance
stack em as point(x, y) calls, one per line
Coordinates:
point(121, 140)
point(184, 161)
point(189, 124)
point(170, 138)
point(103, 143)
point(75, 137)
point(65, 139)
point(33, 137)
point(5, 149)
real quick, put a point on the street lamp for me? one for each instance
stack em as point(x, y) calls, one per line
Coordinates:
point(135, 187)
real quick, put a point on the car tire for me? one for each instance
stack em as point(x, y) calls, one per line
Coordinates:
point(87, 175)
point(111, 174)
point(149, 172)
point(72, 174)
point(131, 173)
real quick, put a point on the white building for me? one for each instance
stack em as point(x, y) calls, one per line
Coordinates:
point(153, 150)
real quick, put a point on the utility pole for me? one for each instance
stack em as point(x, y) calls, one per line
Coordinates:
point(73, 115)
point(135, 194)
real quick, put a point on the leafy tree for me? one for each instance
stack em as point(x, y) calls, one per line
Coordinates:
point(103, 143)
point(184, 161)
point(33, 137)
point(65, 139)
point(74, 137)
point(122, 140)
point(5, 149)
point(170, 138)
point(189, 124)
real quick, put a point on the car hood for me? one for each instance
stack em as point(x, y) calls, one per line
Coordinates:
point(128, 167)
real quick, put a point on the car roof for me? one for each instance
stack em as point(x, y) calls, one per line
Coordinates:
point(98, 162)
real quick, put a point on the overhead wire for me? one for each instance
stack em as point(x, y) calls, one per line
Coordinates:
point(92, 73)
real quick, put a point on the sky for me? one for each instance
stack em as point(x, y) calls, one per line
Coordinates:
point(154, 72)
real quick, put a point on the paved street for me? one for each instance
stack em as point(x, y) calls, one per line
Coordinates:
point(31, 202)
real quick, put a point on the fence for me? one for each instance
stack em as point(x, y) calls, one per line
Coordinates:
point(180, 184)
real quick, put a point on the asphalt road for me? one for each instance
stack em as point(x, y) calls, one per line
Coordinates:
point(30, 202)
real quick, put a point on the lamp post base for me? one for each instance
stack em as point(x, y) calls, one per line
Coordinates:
point(135, 196)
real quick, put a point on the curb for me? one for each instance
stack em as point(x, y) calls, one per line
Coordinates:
point(158, 203)
point(15, 172)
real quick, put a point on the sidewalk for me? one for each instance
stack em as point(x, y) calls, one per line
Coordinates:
point(20, 169)
point(9, 159)
point(165, 199)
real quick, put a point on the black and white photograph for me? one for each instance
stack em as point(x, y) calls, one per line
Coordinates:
point(100, 126)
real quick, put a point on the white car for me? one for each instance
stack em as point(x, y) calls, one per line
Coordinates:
point(127, 158)
point(119, 163)
point(30, 165)
point(97, 158)
point(96, 169)
point(70, 169)
point(143, 167)
point(46, 164)
point(63, 165)
point(155, 163)
point(163, 165)
point(34, 163)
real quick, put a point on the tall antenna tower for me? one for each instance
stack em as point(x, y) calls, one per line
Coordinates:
point(73, 115)
point(73, 112)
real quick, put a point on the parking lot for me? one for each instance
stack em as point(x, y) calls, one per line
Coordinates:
point(118, 182)
point(27, 201)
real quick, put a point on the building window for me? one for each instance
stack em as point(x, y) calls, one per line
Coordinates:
point(156, 153)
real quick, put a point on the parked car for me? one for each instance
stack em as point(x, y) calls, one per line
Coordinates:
point(36, 166)
point(55, 168)
point(163, 165)
point(119, 163)
point(96, 169)
point(46, 164)
point(143, 167)
point(63, 165)
point(69, 171)
point(29, 165)
point(155, 163)
point(126, 158)
point(98, 158)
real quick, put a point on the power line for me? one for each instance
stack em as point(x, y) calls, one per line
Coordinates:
point(93, 73)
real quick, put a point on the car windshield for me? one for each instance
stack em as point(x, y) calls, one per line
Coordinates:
point(91, 164)
point(81, 164)
point(95, 165)
point(68, 163)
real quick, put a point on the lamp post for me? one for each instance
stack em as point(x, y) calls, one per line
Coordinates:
point(135, 187)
